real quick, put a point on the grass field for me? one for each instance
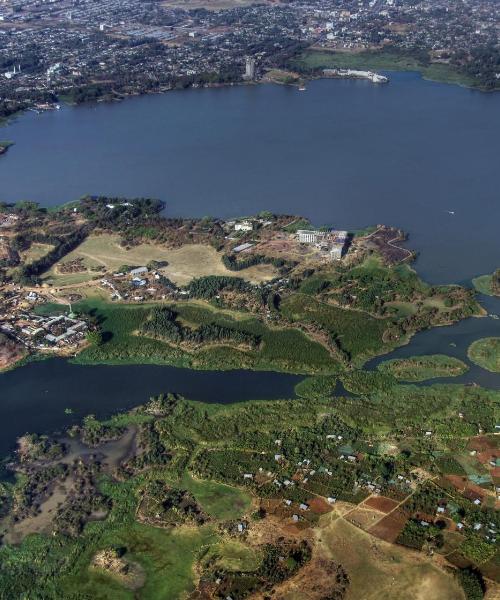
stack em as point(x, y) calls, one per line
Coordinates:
point(280, 349)
point(218, 500)
point(184, 263)
point(421, 368)
point(35, 252)
point(232, 555)
point(486, 353)
point(381, 60)
point(381, 571)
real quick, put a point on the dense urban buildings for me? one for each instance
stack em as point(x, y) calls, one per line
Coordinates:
point(80, 50)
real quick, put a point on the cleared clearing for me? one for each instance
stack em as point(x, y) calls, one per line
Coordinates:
point(381, 571)
point(184, 263)
point(35, 252)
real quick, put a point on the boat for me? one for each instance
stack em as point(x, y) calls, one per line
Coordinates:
point(302, 88)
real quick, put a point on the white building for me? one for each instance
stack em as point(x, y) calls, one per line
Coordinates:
point(309, 236)
point(244, 226)
point(336, 251)
point(249, 68)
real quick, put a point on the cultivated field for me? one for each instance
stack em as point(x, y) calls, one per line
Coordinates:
point(184, 263)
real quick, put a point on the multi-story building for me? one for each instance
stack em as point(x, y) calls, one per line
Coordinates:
point(309, 236)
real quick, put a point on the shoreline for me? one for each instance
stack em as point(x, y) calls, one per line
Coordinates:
point(302, 78)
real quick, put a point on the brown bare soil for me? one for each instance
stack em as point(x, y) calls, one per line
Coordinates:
point(364, 517)
point(319, 506)
point(386, 241)
point(128, 573)
point(482, 443)
point(390, 526)
point(457, 559)
point(10, 352)
point(381, 503)
point(492, 592)
point(320, 578)
point(457, 481)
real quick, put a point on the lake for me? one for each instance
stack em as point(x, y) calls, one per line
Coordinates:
point(346, 153)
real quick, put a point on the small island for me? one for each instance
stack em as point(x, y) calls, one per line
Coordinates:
point(488, 284)
point(421, 368)
point(486, 353)
point(4, 146)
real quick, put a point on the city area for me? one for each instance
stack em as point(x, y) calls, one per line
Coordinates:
point(78, 50)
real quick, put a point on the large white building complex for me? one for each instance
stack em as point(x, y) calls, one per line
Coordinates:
point(333, 241)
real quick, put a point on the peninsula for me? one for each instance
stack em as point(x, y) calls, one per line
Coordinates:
point(112, 280)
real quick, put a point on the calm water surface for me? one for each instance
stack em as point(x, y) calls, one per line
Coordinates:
point(454, 340)
point(346, 153)
point(34, 397)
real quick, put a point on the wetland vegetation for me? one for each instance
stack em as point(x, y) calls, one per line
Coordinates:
point(420, 368)
point(486, 353)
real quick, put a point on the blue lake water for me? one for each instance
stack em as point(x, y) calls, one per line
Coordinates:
point(35, 397)
point(346, 153)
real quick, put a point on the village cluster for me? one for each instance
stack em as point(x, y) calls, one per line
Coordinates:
point(405, 483)
point(38, 332)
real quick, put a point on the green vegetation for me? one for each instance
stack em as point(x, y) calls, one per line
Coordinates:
point(231, 556)
point(472, 583)
point(218, 500)
point(124, 341)
point(386, 60)
point(357, 334)
point(486, 353)
point(488, 284)
point(420, 368)
point(316, 387)
point(477, 549)
point(180, 498)
point(294, 226)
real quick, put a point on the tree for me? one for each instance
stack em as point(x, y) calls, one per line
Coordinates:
point(95, 337)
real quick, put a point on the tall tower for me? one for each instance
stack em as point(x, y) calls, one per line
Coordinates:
point(249, 68)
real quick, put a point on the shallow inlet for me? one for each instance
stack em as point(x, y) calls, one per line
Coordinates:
point(34, 397)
